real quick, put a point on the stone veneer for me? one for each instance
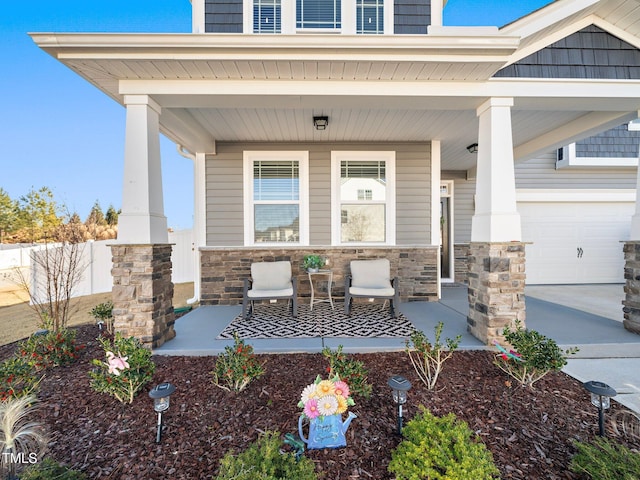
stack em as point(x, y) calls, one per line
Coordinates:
point(496, 288)
point(461, 262)
point(632, 286)
point(224, 269)
point(143, 292)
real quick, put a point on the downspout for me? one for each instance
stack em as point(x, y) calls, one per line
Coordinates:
point(196, 224)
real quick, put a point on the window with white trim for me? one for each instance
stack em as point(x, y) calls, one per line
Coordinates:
point(348, 17)
point(369, 16)
point(363, 198)
point(267, 16)
point(318, 14)
point(276, 198)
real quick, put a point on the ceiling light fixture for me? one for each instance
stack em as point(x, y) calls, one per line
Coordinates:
point(320, 122)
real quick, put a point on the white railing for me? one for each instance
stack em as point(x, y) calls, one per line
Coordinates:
point(96, 255)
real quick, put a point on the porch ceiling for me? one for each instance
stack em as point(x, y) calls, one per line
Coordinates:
point(374, 89)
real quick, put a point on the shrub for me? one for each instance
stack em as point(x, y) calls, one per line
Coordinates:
point(124, 373)
point(17, 379)
point(236, 367)
point(533, 355)
point(50, 349)
point(428, 359)
point(103, 313)
point(49, 469)
point(350, 371)
point(263, 461)
point(19, 436)
point(440, 448)
point(604, 459)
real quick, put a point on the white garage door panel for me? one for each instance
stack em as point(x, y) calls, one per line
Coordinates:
point(556, 232)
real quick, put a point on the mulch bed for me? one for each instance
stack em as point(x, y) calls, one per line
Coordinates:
point(530, 433)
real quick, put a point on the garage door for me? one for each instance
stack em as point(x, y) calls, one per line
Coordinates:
point(575, 242)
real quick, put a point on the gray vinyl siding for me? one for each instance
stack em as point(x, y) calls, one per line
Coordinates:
point(541, 173)
point(411, 16)
point(588, 53)
point(463, 209)
point(223, 16)
point(224, 190)
point(617, 142)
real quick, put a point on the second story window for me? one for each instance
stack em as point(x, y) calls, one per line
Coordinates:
point(267, 16)
point(369, 16)
point(318, 14)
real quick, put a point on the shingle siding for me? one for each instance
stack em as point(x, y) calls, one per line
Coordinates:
point(618, 142)
point(588, 53)
point(223, 16)
point(411, 16)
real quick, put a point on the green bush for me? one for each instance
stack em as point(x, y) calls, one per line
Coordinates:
point(263, 461)
point(350, 371)
point(440, 448)
point(17, 379)
point(103, 313)
point(236, 367)
point(50, 349)
point(533, 355)
point(49, 469)
point(604, 459)
point(128, 367)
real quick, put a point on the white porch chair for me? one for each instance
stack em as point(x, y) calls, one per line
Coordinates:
point(371, 279)
point(269, 281)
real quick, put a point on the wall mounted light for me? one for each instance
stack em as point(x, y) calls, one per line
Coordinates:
point(320, 123)
point(473, 148)
point(601, 394)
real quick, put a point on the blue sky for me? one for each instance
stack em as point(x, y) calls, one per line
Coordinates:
point(57, 130)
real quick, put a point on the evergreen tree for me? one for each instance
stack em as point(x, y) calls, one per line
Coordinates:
point(8, 215)
point(38, 213)
point(96, 216)
point(112, 216)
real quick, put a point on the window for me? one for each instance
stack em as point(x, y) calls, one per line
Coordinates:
point(318, 14)
point(370, 16)
point(363, 198)
point(275, 208)
point(267, 16)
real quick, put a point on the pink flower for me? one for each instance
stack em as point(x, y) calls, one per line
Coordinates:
point(311, 408)
point(116, 363)
point(342, 388)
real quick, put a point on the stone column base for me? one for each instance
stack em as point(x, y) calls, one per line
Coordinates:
point(496, 289)
point(632, 286)
point(143, 293)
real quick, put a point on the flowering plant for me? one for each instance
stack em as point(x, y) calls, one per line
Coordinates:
point(50, 349)
point(125, 372)
point(325, 397)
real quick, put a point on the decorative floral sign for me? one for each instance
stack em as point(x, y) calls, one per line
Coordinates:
point(323, 403)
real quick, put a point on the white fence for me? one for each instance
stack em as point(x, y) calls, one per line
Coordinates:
point(96, 255)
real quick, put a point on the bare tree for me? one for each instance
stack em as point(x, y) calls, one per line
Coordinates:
point(56, 271)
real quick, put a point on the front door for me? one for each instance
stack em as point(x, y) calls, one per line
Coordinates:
point(447, 273)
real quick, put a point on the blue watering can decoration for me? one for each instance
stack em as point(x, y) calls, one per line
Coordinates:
point(323, 403)
point(326, 432)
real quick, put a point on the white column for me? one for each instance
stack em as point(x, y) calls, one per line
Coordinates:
point(199, 216)
point(635, 220)
point(142, 220)
point(435, 192)
point(496, 216)
point(197, 16)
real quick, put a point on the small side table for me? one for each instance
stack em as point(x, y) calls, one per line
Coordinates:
point(329, 275)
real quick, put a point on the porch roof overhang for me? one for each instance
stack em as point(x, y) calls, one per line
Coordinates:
point(374, 89)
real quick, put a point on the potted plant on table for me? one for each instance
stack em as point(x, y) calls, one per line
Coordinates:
point(313, 263)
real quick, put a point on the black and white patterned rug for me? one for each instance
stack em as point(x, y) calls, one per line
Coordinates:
point(275, 321)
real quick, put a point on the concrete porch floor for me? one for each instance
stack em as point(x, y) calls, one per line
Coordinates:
point(586, 316)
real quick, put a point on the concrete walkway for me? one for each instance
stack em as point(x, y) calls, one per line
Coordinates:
point(608, 352)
